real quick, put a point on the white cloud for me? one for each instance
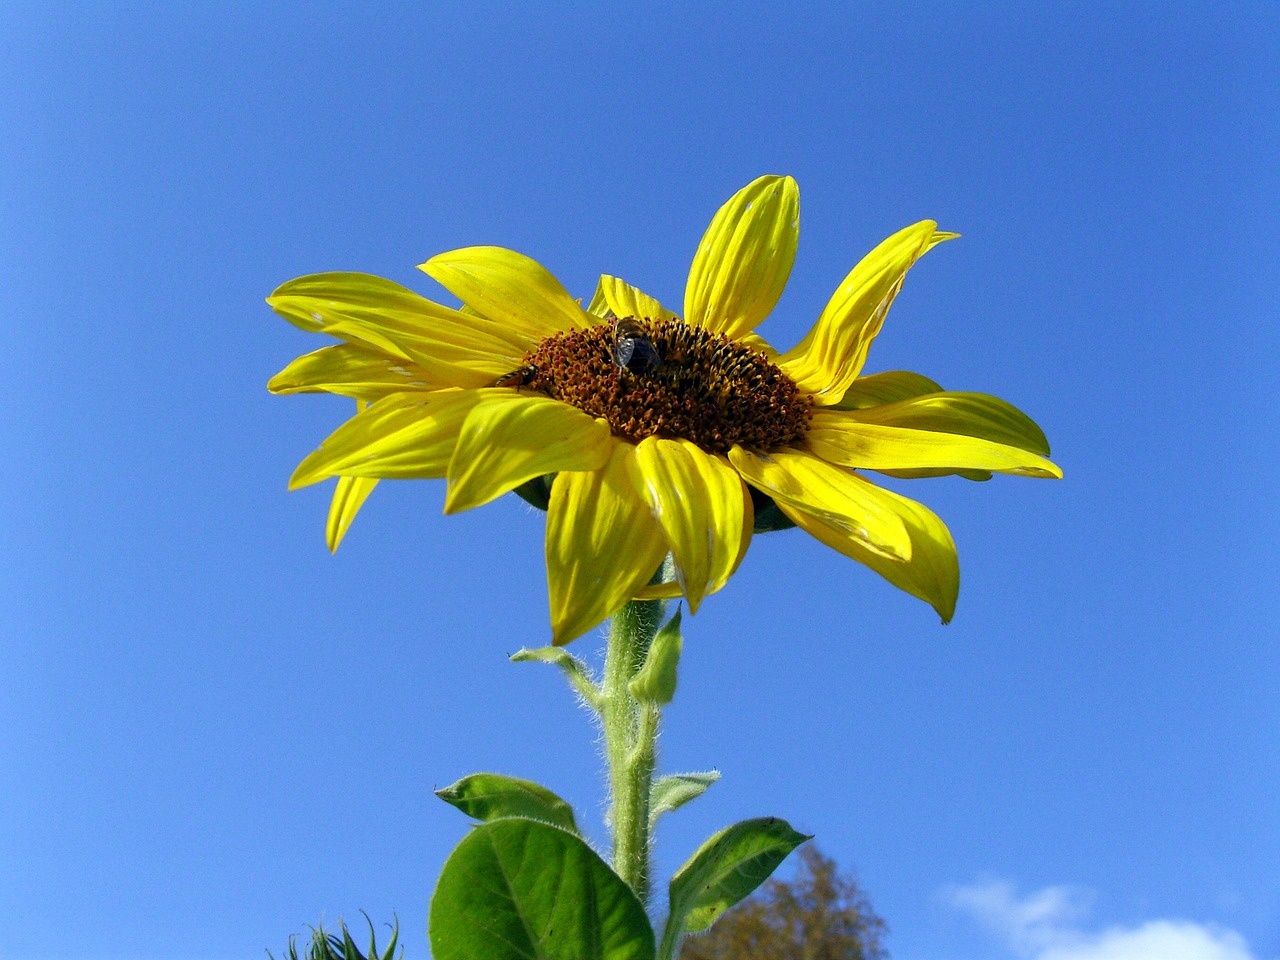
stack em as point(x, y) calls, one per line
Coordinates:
point(1027, 924)
point(1048, 925)
point(1157, 940)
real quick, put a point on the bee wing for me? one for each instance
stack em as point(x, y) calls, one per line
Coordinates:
point(623, 350)
point(649, 352)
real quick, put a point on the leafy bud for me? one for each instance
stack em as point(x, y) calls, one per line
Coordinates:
point(655, 683)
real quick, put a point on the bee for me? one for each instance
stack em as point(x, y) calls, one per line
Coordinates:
point(516, 378)
point(632, 348)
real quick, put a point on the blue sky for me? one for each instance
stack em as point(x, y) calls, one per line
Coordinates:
point(216, 733)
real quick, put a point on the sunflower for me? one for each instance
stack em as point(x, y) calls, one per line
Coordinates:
point(646, 434)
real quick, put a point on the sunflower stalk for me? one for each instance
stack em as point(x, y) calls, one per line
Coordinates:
point(630, 734)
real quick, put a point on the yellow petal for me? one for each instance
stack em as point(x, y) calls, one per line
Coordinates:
point(369, 310)
point(510, 288)
point(348, 498)
point(972, 414)
point(831, 356)
point(602, 545)
point(933, 572)
point(847, 438)
point(925, 473)
point(830, 493)
point(352, 370)
point(509, 438)
point(665, 590)
point(703, 508)
point(745, 257)
point(888, 387)
point(624, 300)
point(599, 306)
point(403, 436)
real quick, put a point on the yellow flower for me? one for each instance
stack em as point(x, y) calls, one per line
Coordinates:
point(665, 434)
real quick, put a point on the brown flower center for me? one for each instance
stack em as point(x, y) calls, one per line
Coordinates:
point(666, 378)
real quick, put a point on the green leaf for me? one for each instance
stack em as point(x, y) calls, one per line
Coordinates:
point(575, 670)
point(517, 889)
point(727, 868)
point(491, 796)
point(655, 682)
point(676, 789)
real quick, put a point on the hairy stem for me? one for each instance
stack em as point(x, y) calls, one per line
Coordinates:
point(630, 735)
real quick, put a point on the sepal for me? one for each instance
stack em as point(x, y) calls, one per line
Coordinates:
point(536, 492)
point(767, 515)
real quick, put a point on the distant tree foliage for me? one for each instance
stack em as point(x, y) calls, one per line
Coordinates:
point(819, 915)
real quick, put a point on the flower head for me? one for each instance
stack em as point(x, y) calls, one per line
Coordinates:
point(665, 433)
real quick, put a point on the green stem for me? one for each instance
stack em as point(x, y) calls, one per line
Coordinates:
point(671, 937)
point(630, 736)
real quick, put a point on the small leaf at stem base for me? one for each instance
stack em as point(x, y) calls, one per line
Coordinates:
point(575, 670)
point(676, 789)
